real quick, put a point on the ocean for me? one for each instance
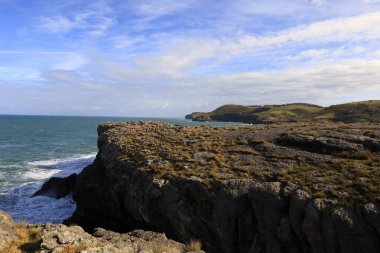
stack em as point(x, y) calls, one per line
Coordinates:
point(35, 148)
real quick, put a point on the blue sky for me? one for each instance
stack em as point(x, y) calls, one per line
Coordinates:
point(168, 58)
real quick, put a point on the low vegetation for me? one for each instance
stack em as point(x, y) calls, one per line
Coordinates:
point(337, 161)
point(28, 239)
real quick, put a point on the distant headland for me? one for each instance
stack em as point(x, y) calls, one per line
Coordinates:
point(363, 111)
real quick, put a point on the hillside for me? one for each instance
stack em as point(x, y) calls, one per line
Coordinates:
point(363, 111)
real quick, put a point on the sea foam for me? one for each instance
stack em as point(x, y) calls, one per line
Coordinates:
point(22, 207)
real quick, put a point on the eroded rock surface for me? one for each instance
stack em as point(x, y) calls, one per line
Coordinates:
point(6, 230)
point(240, 188)
point(55, 238)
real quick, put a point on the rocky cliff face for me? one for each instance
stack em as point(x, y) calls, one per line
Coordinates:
point(279, 188)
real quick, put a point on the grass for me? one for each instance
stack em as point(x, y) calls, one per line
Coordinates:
point(28, 239)
point(217, 154)
point(72, 248)
point(160, 247)
point(266, 113)
point(362, 111)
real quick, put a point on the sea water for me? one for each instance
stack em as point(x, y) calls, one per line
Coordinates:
point(35, 148)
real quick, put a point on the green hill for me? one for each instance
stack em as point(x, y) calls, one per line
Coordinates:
point(364, 111)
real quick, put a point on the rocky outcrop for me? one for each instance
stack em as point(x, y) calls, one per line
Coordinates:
point(6, 230)
point(57, 187)
point(260, 199)
point(319, 144)
point(55, 238)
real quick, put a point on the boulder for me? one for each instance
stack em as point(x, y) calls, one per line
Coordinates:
point(57, 187)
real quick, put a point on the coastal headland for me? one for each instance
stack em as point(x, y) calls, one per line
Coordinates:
point(361, 111)
point(284, 187)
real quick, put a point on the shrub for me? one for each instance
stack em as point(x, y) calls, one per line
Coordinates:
point(193, 245)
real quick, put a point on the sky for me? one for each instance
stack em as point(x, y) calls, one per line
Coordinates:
point(165, 58)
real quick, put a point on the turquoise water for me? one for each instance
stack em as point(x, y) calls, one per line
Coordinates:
point(34, 148)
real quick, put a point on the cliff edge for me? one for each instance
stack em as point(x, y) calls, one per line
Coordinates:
point(290, 187)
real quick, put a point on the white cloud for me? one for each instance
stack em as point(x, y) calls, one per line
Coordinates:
point(56, 24)
point(174, 96)
point(358, 28)
point(370, 1)
point(18, 74)
point(70, 62)
point(159, 8)
point(164, 58)
point(36, 52)
point(124, 41)
point(318, 2)
point(95, 23)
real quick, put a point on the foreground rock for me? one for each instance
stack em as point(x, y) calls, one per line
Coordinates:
point(240, 188)
point(6, 230)
point(54, 238)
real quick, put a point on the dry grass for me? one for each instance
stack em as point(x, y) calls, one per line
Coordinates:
point(77, 248)
point(193, 245)
point(28, 240)
point(159, 247)
point(240, 152)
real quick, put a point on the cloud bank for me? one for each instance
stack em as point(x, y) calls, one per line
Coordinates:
point(163, 58)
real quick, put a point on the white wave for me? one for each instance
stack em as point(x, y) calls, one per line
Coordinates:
point(52, 162)
point(42, 209)
point(40, 174)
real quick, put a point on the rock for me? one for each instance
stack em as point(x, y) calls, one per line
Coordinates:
point(280, 198)
point(6, 230)
point(57, 187)
point(56, 237)
point(319, 144)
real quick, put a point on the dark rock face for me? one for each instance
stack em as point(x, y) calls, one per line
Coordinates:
point(233, 215)
point(57, 187)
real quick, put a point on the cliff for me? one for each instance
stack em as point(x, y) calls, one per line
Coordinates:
point(364, 111)
point(294, 187)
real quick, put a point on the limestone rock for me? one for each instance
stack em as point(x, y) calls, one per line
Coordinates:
point(284, 194)
point(6, 229)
